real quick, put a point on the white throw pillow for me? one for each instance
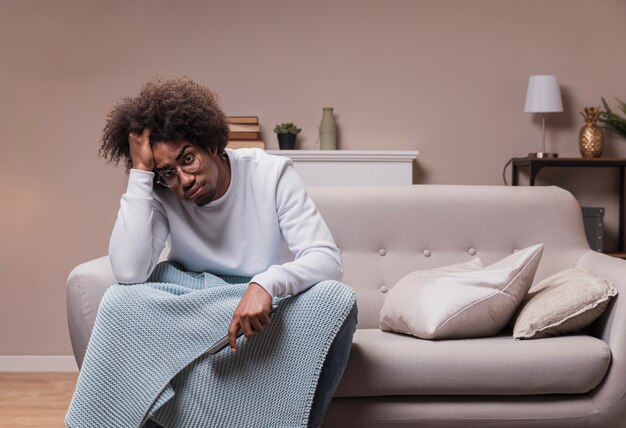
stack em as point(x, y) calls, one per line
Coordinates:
point(460, 301)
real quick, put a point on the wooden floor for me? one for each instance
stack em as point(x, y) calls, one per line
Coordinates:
point(35, 399)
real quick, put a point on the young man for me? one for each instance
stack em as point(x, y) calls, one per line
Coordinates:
point(230, 212)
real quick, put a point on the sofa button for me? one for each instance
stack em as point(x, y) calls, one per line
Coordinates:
point(472, 251)
point(515, 250)
point(427, 253)
point(383, 288)
point(382, 252)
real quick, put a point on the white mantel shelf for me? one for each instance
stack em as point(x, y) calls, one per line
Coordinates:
point(348, 155)
point(352, 167)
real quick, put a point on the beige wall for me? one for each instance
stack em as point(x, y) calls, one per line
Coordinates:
point(447, 78)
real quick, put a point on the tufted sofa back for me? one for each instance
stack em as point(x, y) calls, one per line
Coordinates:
point(386, 232)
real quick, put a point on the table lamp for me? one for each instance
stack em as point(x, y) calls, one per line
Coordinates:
point(543, 96)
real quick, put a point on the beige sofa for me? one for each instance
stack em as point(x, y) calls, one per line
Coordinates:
point(395, 380)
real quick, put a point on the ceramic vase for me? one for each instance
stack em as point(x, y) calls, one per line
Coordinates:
point(328, 130)
point(590, 138)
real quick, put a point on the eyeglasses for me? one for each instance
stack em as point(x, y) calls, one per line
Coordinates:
point(190, 164)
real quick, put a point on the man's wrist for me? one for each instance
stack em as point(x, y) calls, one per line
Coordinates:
point(259, 286)
point(142, 167)
point(268, 281)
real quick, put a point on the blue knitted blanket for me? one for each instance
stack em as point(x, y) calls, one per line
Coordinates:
point(145, 356)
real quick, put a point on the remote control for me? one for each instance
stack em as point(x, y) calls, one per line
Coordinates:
point(223, 342)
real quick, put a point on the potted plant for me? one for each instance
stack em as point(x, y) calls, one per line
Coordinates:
point(613, 121)
point(287, 133)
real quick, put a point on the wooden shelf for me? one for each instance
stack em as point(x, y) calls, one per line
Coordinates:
point(535, 165)
point(618, 254)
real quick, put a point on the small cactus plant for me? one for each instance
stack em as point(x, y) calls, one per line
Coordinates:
point(287, 128)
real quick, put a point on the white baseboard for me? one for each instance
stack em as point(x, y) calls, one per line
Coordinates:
point(38, 363)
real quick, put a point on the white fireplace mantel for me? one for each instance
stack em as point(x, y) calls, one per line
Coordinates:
point(352, 167)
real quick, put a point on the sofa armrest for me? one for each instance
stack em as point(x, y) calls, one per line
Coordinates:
point(611, 327)
point(86, 285)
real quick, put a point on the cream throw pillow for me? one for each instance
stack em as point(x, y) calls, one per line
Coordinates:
point(460, 301)
point(563, 303)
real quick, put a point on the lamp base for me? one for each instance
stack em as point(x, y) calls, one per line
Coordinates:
point(543, 155)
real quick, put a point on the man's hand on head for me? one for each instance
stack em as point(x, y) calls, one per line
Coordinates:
point(141, 151)
point(251, 315)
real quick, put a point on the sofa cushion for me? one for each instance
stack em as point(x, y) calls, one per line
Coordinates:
point(563, 303)
point(460, 301)
point(384, 364)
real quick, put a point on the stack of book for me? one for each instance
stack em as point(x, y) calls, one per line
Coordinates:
point(244, 132)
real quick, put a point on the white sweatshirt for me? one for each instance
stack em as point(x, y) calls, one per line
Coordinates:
point(265, 226)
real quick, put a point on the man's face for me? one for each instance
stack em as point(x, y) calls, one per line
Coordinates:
point(199, 187)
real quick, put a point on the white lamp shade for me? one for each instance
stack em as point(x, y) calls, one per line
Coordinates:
point(543, 95)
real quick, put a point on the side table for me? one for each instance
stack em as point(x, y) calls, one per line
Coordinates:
point(535, 165)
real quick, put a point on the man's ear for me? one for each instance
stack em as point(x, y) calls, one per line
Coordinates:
point(213, 151)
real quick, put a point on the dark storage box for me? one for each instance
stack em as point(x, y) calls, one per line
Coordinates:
point(593, 218)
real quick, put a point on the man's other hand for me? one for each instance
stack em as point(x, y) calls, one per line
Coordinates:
point(140, 150)
point(251, 315)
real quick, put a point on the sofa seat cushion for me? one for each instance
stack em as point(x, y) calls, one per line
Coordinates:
point(384, 364)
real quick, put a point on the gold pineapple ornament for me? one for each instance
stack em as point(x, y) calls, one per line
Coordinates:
point(590, 139)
